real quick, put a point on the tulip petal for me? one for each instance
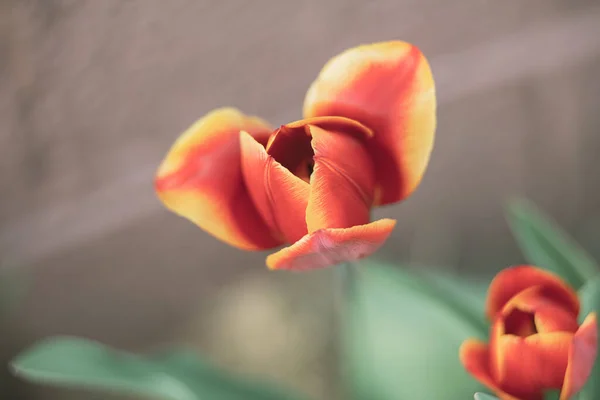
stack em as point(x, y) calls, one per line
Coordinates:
point(389, 88)
point(582, 356)
point(554, 319)
point(496, 332)
point(279, 196)
point(342, 183)
point(513, 280)
point(533, 364)
point(475, 356)
point(201, 179)
point(545, 314)
point(327, 247)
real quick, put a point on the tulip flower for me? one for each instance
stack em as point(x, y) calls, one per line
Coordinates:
point(365, 141)
point(536, 343)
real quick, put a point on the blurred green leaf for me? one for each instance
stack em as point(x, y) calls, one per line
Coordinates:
point(177, 375)
point(464, 295)
point(589, 295)
point(402, 333)
point(483, 396)
point(547, 246)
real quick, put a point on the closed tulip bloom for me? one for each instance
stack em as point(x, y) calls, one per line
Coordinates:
point(365, 141)
point(536, 343)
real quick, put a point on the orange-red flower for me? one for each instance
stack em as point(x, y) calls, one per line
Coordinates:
point(536, 343)
point(365, 140)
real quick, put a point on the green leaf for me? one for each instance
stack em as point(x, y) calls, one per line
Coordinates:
point(483, 396)
point(177, 375)
point(402, 333)
point(589, 295)
point(547, 246)
point(464, 296)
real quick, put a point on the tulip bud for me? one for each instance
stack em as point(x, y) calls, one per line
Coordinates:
point(536, 343)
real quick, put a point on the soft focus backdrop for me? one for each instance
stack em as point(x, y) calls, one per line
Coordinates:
point(93, 93)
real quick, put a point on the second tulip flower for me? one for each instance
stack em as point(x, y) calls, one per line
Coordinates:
point(536, 343)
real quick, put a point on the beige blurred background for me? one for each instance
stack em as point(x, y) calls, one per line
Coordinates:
point(93, 92)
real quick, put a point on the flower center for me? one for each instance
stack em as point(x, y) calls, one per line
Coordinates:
point(520, 323)
point(310, 165)
point(290, 145)
point(292, 149)
point(304, 170)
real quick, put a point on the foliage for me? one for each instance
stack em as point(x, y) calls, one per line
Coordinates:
point(544, 244)
point(400, 332)
point(174, 375)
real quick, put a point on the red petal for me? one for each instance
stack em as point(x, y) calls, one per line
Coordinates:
point(510, 281)
point(201, 179)
point(533, 364)
point(475, 357)
point(329, 247)
point(279, 196)
point(582, 356)
point(389, 88)
point(342, 183)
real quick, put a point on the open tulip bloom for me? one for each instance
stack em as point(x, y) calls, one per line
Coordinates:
point(536, 343)
point(365, 141)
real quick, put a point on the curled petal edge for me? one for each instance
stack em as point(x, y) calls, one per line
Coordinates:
point(582, 356)
point(510, 281)
point(328, 247)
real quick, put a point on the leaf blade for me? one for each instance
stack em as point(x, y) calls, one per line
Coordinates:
point(74, 362)
point(547, 246)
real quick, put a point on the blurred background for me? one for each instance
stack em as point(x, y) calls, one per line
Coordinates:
point(93, 93)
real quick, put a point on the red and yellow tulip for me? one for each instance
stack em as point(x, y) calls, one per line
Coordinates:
point(536, 343)
point(365, 140)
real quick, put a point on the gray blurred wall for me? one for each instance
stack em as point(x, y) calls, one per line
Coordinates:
point(93, 93)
